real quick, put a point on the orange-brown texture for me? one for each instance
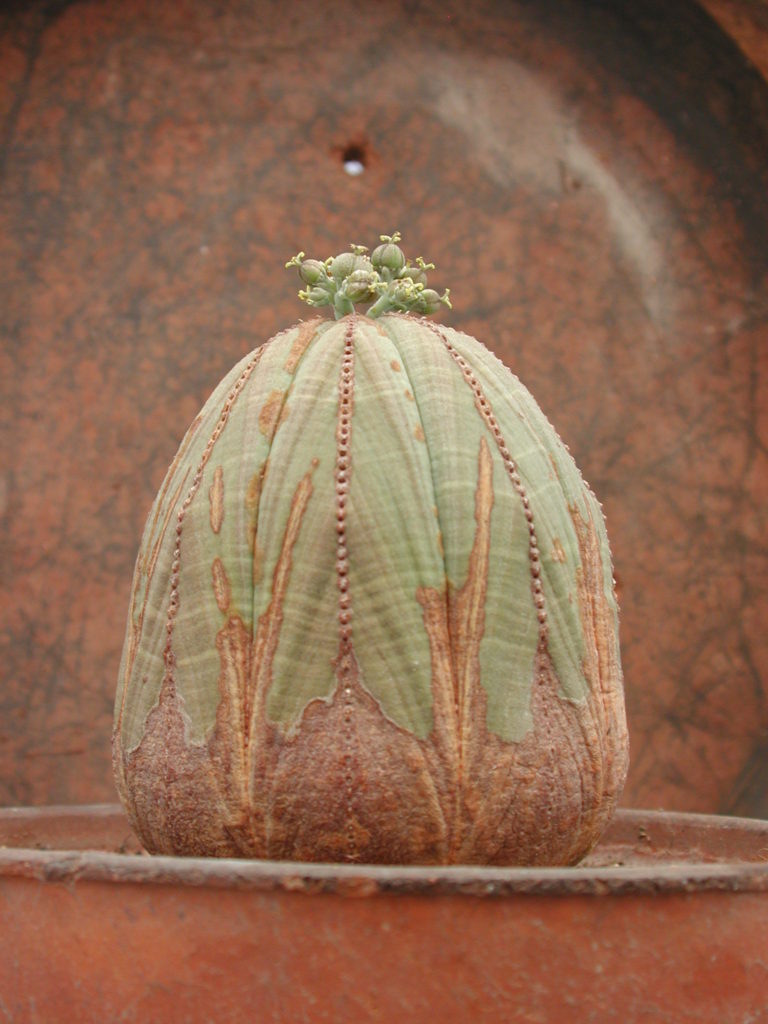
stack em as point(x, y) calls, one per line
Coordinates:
point(591, 179)
point(677, 933)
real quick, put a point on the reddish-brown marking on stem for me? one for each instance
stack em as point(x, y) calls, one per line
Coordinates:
point(270, 621)
point(252, 500)
point(255, 485)
point(484, 408)
point(147, 560)
point(455, 629)
point(226, 409)
point(147, 573)
point(216, 500)
point(169, 478)
point(272, 413)
point(468, 609)
point(605, 727)
point(221, 588)
point(305, 335)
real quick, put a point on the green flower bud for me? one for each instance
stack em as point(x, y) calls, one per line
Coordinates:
point(429, 301)
point(405, 293)
point(361, 286)
point(416, 274)
point(346, 263)
point(312, 271)
point(388, 256)
point(341, 266)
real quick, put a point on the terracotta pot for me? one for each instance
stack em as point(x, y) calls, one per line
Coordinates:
point(590, 178)
point(666, 921)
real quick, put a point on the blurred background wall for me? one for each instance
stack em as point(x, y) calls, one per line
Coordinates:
point(591, 179)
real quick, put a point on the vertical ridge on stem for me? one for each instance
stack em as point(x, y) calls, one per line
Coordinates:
point(510, 466)
point(342, 472)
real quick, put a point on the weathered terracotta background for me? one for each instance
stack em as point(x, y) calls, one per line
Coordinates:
point(592, 180)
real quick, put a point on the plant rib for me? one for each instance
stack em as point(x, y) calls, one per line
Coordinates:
point(342, 472)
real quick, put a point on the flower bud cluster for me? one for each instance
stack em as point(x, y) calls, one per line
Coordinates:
point(386, 278)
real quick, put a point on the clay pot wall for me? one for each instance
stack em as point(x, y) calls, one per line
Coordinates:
point(591, 180)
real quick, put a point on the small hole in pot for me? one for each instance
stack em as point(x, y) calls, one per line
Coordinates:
point(353, 159)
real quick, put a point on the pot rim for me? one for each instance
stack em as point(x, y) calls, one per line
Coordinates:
point(709, 866)
point(372, 880)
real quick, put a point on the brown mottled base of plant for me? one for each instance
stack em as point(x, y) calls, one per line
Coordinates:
point(517, 803)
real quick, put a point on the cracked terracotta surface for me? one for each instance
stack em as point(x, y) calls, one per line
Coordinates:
point(591, 180)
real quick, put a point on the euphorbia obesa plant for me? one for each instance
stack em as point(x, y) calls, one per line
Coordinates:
point(373, 615)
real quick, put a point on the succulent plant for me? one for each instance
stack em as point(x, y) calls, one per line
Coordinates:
point(373, 612)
